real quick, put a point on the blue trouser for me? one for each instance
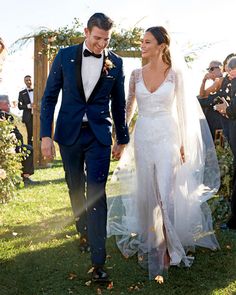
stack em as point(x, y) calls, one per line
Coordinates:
point(86, 164)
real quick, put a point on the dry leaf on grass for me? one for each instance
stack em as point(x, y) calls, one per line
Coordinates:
point(72, 276)
point(159, 279)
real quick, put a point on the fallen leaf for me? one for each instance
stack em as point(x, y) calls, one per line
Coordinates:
point(228, 247)
point(88, 283)
point(68, 236)
point(99, 291)
point(159, 279)
point(14, 234)
point(110, 286)
point(72, 276)
point(90, 270)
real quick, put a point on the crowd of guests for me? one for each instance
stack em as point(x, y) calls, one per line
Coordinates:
point(218, 103)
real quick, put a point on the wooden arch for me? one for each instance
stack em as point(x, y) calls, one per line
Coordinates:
point(41, 70)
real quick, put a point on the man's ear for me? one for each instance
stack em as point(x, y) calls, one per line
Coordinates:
point(86, 32)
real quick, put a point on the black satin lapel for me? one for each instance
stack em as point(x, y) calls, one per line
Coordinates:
point(78, 71)
point(99, 80)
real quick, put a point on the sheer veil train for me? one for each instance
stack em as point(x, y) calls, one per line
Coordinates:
point(189, 223)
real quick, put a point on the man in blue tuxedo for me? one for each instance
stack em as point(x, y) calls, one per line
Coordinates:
point(92, 82)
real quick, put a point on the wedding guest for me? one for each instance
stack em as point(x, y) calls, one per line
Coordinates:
point(92, 82)
point(25, 103)
point(27, 163)
point(2, 56)
point(229, 109)
point(207, 95)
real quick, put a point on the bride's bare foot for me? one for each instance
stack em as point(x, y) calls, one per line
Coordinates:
point(166, 260)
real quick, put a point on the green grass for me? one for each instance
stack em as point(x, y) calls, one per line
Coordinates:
point(39, 251)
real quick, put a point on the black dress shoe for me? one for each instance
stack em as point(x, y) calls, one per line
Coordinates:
point(231, 223)
point(99, 275)
point(226, 226)
point(84, 245)
point(27, 181)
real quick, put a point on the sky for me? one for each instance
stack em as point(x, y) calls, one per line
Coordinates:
point(189, 21)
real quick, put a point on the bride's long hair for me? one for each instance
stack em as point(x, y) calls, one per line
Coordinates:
point(162, 36)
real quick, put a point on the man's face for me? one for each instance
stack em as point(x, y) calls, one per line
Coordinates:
point(28, 82)
point(97, 39)
point(216, 71)
point(5, 106)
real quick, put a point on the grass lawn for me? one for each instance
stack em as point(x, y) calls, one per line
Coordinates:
point(39, 252)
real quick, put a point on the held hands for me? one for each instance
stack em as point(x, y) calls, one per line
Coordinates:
point(48, 148)
point(117, 151)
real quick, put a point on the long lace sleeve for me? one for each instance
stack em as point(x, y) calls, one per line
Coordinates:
point(131, 99)
point(179, 89)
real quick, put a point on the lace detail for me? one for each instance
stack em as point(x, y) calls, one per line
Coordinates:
point(161, 204)
point(131, 104)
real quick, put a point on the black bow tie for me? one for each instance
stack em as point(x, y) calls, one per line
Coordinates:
point(89, 53)
point(29, 90)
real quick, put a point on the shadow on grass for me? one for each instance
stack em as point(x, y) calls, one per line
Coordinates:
point(61, 269)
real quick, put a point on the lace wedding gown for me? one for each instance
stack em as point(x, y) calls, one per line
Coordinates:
point(162, 200)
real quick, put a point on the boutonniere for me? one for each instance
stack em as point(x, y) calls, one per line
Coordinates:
point(108, 65)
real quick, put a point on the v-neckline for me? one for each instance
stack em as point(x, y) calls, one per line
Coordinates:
point(158, 86)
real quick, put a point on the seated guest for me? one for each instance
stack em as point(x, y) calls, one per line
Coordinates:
point(27, 163)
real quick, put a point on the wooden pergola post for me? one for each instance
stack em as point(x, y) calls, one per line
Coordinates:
point(40, 77)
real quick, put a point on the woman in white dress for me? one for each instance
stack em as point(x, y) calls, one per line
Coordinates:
point(162, 211)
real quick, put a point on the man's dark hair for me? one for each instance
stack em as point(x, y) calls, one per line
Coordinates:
point(101, 21)
point(27, 76)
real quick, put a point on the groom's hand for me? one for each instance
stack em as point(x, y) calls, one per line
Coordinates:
point(48, 148)
point(117, 150)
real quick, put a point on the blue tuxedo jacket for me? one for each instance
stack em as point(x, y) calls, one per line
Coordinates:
point(107, 98)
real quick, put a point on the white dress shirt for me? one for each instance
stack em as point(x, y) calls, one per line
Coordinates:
point(90, 72)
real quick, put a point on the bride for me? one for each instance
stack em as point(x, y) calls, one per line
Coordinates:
point(168, 171)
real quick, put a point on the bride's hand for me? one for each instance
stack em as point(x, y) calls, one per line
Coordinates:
point(182, 154)
point(117, 150)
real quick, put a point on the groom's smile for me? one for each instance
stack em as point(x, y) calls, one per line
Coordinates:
point(97, 39)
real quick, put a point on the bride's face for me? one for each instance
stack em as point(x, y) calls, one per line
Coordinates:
point(150, 47)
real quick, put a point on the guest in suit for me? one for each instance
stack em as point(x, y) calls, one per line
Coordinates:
point(25, 103)
point(27, 163)
point(92, 82)
point(229, 110)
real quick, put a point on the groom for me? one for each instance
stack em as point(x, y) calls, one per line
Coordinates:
point(92, 82)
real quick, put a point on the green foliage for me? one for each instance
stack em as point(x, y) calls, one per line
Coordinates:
point(62, 37)
point(126, 39)
point(10, 162)
point(220, 205)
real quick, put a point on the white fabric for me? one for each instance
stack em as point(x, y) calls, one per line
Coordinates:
point(91, 71)
point(31, 96)
point(162, 202)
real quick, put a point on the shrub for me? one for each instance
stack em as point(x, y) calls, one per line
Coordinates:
point(10, 162)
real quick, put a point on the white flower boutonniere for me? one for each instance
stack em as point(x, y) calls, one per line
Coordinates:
point(108, 65)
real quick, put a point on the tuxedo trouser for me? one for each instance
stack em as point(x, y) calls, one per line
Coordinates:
point(86, 164)
point(28, 162)
point(29, 129)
